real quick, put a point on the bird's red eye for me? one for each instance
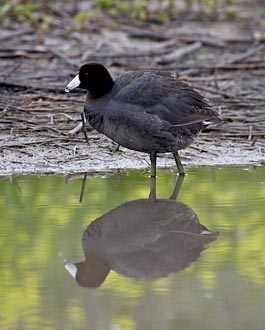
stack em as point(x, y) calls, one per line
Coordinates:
point(86, 74)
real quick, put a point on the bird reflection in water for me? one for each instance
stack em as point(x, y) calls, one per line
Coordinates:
point(145, 239)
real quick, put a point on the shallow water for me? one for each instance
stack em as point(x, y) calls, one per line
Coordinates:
point(42, 223)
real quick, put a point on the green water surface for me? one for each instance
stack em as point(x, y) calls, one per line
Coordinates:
point(42, 223)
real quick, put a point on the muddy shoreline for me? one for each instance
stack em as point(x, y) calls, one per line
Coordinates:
point(75, 156)
point(222, 59)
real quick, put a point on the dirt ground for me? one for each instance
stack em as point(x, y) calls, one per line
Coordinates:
point(222, 58)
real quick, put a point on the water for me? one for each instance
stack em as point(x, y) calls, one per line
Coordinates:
point(42, 223)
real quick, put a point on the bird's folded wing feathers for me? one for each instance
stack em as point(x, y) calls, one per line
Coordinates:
point(171, 100)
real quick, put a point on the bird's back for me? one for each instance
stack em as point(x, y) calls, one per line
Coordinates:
point(150, 111)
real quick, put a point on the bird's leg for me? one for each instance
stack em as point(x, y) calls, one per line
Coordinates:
point(83, 188)
point(153, 164)
point(152, 195)
point(178, 163)
point(177, 187)
point(115, 148)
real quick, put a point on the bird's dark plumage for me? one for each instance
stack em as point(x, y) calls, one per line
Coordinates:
point(141, 240)
point(148, 111)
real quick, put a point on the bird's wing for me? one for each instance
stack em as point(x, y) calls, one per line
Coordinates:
point(134, 118)
point(162, 95)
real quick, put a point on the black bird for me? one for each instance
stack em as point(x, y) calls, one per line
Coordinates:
point(142, 240)
point(147, 111)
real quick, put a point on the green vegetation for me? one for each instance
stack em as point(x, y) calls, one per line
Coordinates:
point(141, 9)
point(39, 13)
point(22, 12)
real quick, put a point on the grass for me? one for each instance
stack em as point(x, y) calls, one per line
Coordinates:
point(19, 11)
point(36, 14)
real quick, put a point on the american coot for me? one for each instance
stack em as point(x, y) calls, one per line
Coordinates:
point(141, 240)
point(148, 111)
